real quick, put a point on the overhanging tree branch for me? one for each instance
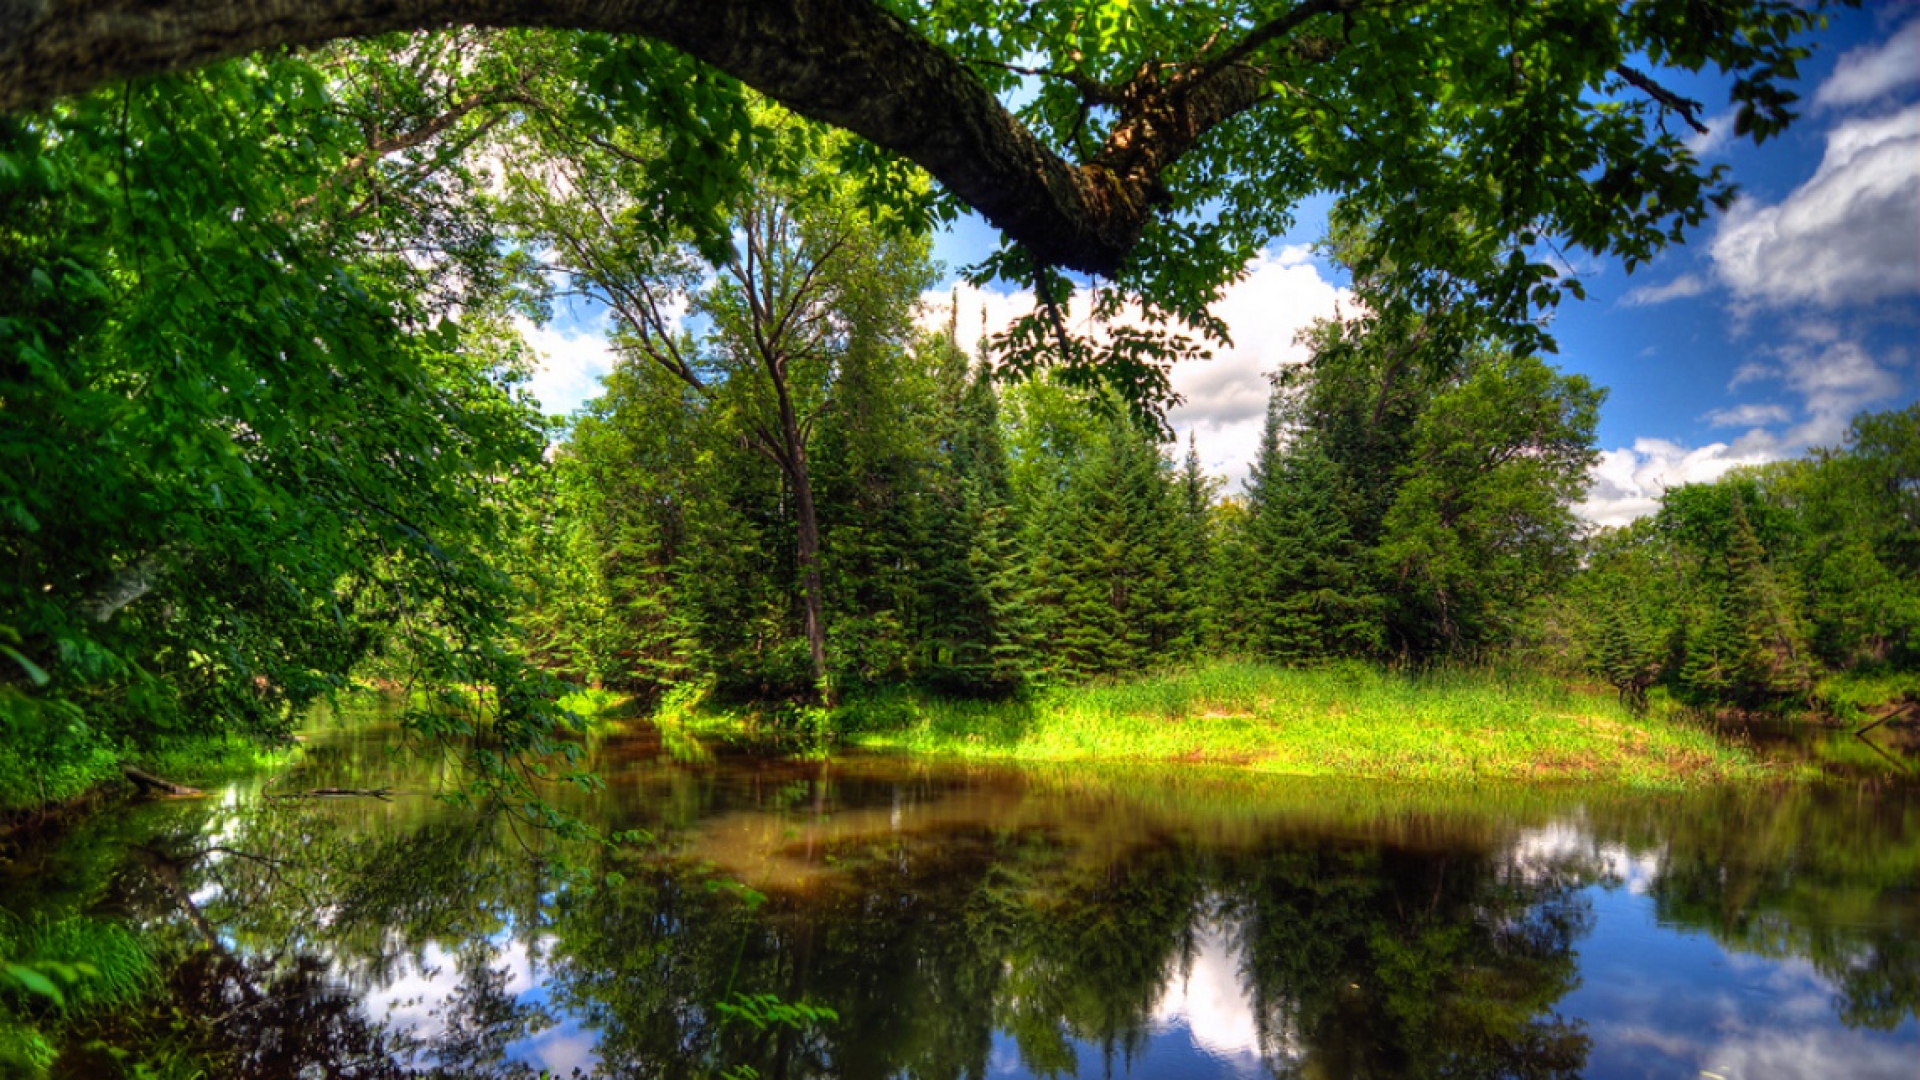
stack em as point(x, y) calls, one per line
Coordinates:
point(848, 63)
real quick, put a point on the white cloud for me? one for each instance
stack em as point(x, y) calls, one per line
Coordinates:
point(1833, 376)
point(1678, 289)
point(1223, 399)
point(1719, 129)
point(1835, 379)
point(1565, 849)
point(409, 996)
point(1872, 71)
point(1629, 481)
point(571, 365)
point(1747, 416)
point(1849, 235)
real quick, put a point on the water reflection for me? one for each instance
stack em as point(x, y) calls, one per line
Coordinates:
point(980, 923)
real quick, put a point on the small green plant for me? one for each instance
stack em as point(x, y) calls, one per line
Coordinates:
point(53, 970)
point(763, 1011)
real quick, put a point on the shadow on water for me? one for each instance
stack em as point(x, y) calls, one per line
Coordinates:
point(958, 921)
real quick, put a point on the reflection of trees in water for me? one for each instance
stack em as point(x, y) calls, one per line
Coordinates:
point(1364, 962)
point(1355, 959)
point(1405, 964)
point(286, 918)
point(1825, 874)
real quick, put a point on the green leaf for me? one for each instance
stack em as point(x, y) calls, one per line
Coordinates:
point(33, 670)
point(35, 983)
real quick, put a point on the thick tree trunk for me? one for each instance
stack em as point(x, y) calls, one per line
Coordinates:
point(849, 63)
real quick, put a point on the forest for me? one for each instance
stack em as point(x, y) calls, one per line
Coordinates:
point(268, 432)
point(1412, 505)
point(269, 458)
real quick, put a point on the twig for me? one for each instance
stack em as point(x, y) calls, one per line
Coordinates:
point(1687, 107)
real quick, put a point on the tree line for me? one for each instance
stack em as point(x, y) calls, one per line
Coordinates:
point(1412, 497)
point(264, 416)
point(793, 491)
point(1752, 591)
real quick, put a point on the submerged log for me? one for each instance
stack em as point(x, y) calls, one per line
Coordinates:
point(383, 794)
point(160, 785)
point(1890, 714)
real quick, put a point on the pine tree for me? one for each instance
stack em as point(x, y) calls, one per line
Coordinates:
point(1194, 561)
point(969, 634)
point(1106, 569)
point(1308, 593)
point(1751, 651)
point(1319, 602)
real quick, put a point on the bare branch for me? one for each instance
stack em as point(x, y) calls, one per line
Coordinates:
point(1688, 108)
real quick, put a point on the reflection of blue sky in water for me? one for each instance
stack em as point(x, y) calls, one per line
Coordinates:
point(1662, 1001)
point(414, 1004)
point(1655, 999)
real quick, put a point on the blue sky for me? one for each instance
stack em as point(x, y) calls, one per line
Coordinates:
point(1761, 336)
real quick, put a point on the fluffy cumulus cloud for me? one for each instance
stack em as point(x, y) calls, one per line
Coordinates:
point(1629, 481)
point(1829, 375)
point(570, 365)
point(1872, 72)
point(1849, 235)
point(1223, 399)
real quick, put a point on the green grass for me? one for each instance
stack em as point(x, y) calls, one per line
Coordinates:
point(38, 774)
point(54, 971)
point(1346, 720)
point(202, 761)
point(1852, 696)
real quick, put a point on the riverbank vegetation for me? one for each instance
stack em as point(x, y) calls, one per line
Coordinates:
point(267, 427)
point(263, 373)
point(1411, 508)
point(1346, 720)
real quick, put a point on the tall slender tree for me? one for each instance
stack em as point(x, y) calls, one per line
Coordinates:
point(815, 278)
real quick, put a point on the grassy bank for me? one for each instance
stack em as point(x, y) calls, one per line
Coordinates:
point(37, 778)
point(1348, 721)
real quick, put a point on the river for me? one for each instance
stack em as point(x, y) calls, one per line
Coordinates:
point(866, 916)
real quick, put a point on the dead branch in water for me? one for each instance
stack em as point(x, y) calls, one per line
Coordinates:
point(149, 783)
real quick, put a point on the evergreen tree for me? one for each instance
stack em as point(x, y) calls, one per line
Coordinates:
point(1306, 591)
point(1193, 566)
point(1751, 650)
point(969, 634)
point(1105, 583)
point(1318, 601)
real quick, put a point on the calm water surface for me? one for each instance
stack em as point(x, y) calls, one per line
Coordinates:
point(976, 922)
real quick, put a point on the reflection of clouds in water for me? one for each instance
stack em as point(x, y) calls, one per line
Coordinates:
point(413, 1003)
point(1209, 1000)
point(1817, 1055)
point(560, 1050)
point(1749, 1052)
point(1540, 855)
point(1694, 1007)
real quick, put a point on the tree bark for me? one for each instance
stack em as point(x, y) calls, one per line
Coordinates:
point(807, 546)
point(848, 63)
